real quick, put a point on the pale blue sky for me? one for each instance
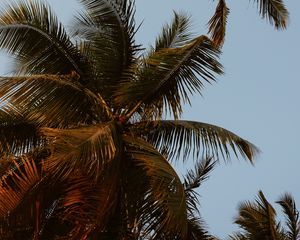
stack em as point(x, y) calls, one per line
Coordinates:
point(258, 98)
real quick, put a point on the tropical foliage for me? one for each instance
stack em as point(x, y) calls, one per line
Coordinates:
point(85, 144)
point(258, 220)
point(272, 10)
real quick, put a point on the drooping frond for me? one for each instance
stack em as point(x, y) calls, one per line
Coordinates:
point(30, 31)
point(164, 207)
point(107, 27)
point(17, 181)
point(17, 135)
point(288, 205)
point(257, 219)
point(275, 11)
point(217, 24)
point(180, 138)
point(86, 148)
point(169, 77)
point(88, 203)
point(176, 34)
point(52, 100)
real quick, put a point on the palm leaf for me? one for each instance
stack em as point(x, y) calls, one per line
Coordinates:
point(193, 180)
point(52, 100)
point(88, 203)
point(17, 135)
point(292, 216)
point(258, 219)
point(217, 24)
point(180, 138)
point(197, 230)
point(40, 44)
point(22, 177)
point(274, 11)
point(107, 29)
point(169, 77)
point(164, 207)
point(238, 236)
point(176, 34)
point(87, 148)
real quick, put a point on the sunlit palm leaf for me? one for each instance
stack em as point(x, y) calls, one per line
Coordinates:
point(52, 100)
point(108, 28)
point(164, 209)
point(217, 24)
point(288, 204)
point(258, 219)
point(23, 176)
point(180, 138)
point(169, 77)
point(88, 203)
point(86, 148)
point(31, 32)
point(274, 11)
point(176, 34)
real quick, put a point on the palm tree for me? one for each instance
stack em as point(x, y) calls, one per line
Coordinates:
point(90, 124)
point(258, 220)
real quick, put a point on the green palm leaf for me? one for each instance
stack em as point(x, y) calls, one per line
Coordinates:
point(169, 77)
point(107, 29)
point(292, 216)
point(164, 208)
point(217, 24)
point(53, 100)
point(30, 32)
point(180, 138)
point(275, 11)
point(176, 34)
point(87, 148)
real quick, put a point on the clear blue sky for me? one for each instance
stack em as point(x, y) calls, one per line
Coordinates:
point(258, 98)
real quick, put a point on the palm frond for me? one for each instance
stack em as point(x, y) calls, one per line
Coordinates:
point(238, 236)
point(169, 77)
point(87, 148)
point(197, 230)
point(193, 180)
point(164, 210)
point(275, 11)
point(258, 219)
point(88, 203)
point(288, 204)
point(22, 176)
point(176, 34)
point(53, 100)
point(179, 138)
point(217, 24)
point(30, 31)
point(17, 135)
point(107, 27)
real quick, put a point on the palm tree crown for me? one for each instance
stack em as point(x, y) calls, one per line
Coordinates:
point(85, 145)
